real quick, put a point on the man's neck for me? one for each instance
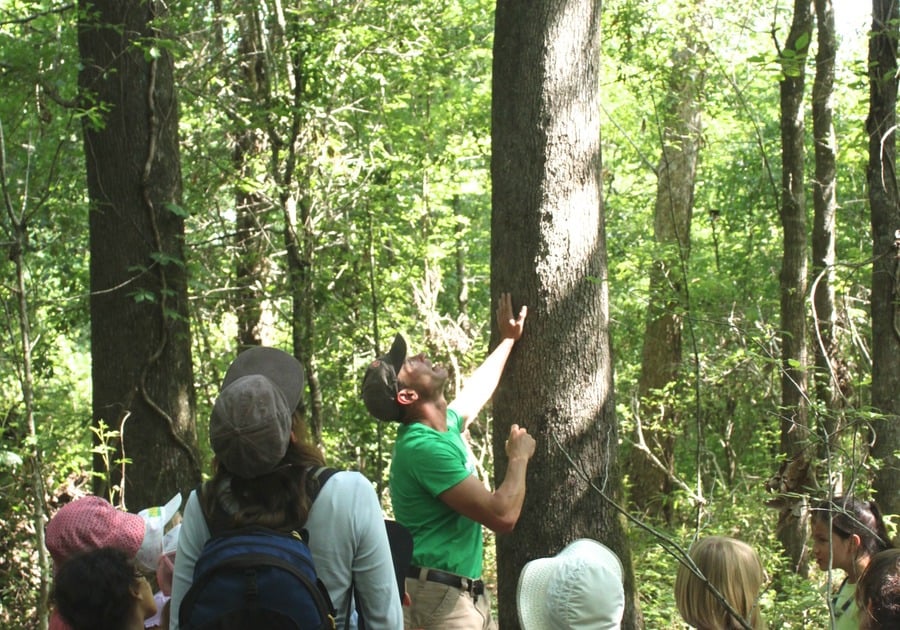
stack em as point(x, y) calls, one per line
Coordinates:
point(433, 414)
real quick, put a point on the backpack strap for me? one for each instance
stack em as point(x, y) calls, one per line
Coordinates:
point(318, 477)
point(219, 521)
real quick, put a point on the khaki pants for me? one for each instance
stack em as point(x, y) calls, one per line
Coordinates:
point(437, 606)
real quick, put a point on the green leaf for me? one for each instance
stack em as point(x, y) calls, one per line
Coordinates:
point(164, 258)
point(177, 210)
point(143, 296)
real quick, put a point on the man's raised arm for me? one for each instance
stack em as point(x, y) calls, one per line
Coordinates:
point(480, 385)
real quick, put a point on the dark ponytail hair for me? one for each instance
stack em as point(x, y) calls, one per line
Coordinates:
point(851, 516)
point(878, 591)
point(277, 500)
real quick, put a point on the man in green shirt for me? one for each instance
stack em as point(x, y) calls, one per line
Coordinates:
point(434, 490)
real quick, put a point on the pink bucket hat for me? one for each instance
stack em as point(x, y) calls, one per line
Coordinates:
point(91, 523)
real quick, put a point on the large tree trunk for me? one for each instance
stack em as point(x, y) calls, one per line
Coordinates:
point(791, 528)
point(549, 250)
point(883, 201)
point(828, 379)
point(651, 473)
point(142, 374)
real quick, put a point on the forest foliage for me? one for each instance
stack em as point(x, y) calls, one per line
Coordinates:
point(385, 109)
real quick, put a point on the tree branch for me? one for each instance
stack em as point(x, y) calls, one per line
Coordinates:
point(641, 445)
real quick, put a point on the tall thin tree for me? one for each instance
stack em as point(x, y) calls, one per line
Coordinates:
point(17, 217)
point(252, 210)
point(652, 466)
point(791, 528)
point(827, 375)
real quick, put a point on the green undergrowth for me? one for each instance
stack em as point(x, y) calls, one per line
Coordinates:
point(788, 600)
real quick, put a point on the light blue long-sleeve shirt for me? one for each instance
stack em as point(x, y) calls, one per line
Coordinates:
point(348, 541)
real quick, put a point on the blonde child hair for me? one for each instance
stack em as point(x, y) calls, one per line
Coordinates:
point(734, 569)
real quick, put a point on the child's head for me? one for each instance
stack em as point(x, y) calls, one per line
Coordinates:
point(878, 592)
point(735, 570)
point(91, 523)
point(87, 524)
point(102, 589)
point(580, 587)
point(845, 531)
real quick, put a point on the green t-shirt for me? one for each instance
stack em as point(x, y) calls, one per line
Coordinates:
point(846, 614)
point(426, 463)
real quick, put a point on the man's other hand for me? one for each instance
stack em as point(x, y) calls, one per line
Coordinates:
point(520, 443)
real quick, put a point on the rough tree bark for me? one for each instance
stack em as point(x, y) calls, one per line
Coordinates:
point(549, 250)
point(883, 201)
point(142, 374)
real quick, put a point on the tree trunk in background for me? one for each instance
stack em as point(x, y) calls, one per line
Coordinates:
point(659, 421)
point(300, 242)
point(828, 379)
point(548, 249)
point(792, 518)
point(270, 47)
point(883, 200)
point(462, 275)
point(141, 348)
point(298, 232)
point(251, 240)
point(35, 459)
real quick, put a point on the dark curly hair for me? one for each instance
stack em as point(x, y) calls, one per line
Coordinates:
point(878, 591)
point(93, 590)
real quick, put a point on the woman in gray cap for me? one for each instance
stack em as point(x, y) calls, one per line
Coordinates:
point(264, 475)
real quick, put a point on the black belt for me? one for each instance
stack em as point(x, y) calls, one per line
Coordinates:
point(473, 587)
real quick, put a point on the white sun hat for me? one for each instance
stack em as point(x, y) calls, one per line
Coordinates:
point(580, 588)
point(155, 520)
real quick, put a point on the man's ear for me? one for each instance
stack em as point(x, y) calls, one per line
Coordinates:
point(855, 541)
point(407, 396)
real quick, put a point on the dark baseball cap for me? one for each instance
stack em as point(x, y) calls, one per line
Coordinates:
point(250, 425)
point(379, 386)
point(278, 366)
